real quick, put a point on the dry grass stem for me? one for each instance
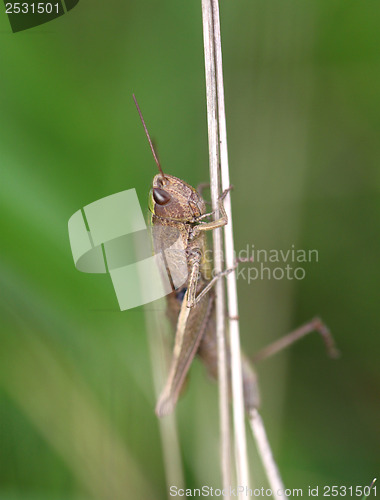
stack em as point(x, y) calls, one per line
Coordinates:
point(213, 138)
point(168, 426)
point(265, 452)
point(236, 369)
point(218, 150)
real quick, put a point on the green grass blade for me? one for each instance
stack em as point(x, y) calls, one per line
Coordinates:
point(370, 488)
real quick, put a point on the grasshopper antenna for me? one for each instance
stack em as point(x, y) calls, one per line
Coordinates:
point(148, 136)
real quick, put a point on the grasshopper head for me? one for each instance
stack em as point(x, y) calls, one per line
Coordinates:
point(173, 198)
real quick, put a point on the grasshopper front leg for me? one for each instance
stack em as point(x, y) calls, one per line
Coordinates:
point(209, 226)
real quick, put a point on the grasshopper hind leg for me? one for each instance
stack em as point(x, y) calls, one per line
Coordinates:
point(208, 352)
point(315, 325)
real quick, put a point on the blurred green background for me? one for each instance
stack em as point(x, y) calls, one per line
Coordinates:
point(303, 116)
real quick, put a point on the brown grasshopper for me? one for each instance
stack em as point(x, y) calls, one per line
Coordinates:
point(191, 307)
point(179, 209)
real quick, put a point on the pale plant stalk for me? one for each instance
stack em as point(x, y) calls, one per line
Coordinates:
point(265, 452)
point(216, 116)
point(212, 121)
point(233, 313)
point(168, 426)
point(217, 124)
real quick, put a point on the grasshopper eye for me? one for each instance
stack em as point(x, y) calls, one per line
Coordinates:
point(161, 197)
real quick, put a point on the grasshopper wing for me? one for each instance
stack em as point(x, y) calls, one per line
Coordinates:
point(191, 326)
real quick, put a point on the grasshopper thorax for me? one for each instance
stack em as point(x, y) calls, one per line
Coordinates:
point(172, 198)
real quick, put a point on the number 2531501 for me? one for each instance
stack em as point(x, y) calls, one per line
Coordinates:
point(31, 8)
